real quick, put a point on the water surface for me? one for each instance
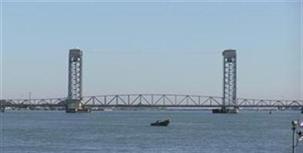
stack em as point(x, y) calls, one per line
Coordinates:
point(129, 132)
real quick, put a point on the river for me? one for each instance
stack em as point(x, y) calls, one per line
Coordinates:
point(130, 132)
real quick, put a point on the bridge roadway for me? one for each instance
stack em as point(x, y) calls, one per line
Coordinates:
point(151, 100)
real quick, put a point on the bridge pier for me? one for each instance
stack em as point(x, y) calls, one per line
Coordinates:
point(74, 106)
point(225, 110)
point(2, 109)
point(2, 105)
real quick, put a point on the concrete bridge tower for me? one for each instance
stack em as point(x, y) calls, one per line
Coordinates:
point(229, 77)
point(74, 97)
point(229, 82)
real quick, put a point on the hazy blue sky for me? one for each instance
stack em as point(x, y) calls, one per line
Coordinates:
point(152, 47)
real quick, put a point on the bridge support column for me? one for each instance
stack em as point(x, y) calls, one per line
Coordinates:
point(73, 106)
point(229, 83)
point(2, 109)
point(74, 98)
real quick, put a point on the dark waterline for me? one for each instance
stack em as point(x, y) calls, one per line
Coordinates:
point(129, 132)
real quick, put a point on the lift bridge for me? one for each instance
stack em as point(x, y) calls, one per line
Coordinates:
point(75, 102)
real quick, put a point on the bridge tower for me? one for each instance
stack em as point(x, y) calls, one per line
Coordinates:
point(229, 82)
point(229, 77)
point(74, 97)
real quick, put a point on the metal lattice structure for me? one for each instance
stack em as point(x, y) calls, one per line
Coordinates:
point(153, 100)
point(229, 78)
point(75, 74)
point(74, 97)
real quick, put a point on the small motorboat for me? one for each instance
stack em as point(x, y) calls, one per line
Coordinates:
point(160, 123)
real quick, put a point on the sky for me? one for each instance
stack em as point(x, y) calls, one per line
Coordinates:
point(152, 47)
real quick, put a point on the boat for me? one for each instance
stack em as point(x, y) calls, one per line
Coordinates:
point(160, 123)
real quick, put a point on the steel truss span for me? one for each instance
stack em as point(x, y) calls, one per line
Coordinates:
point(152, 100)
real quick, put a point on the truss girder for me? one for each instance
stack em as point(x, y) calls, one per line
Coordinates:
point(155, 100)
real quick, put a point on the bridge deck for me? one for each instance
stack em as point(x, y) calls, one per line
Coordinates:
point(151, 100)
